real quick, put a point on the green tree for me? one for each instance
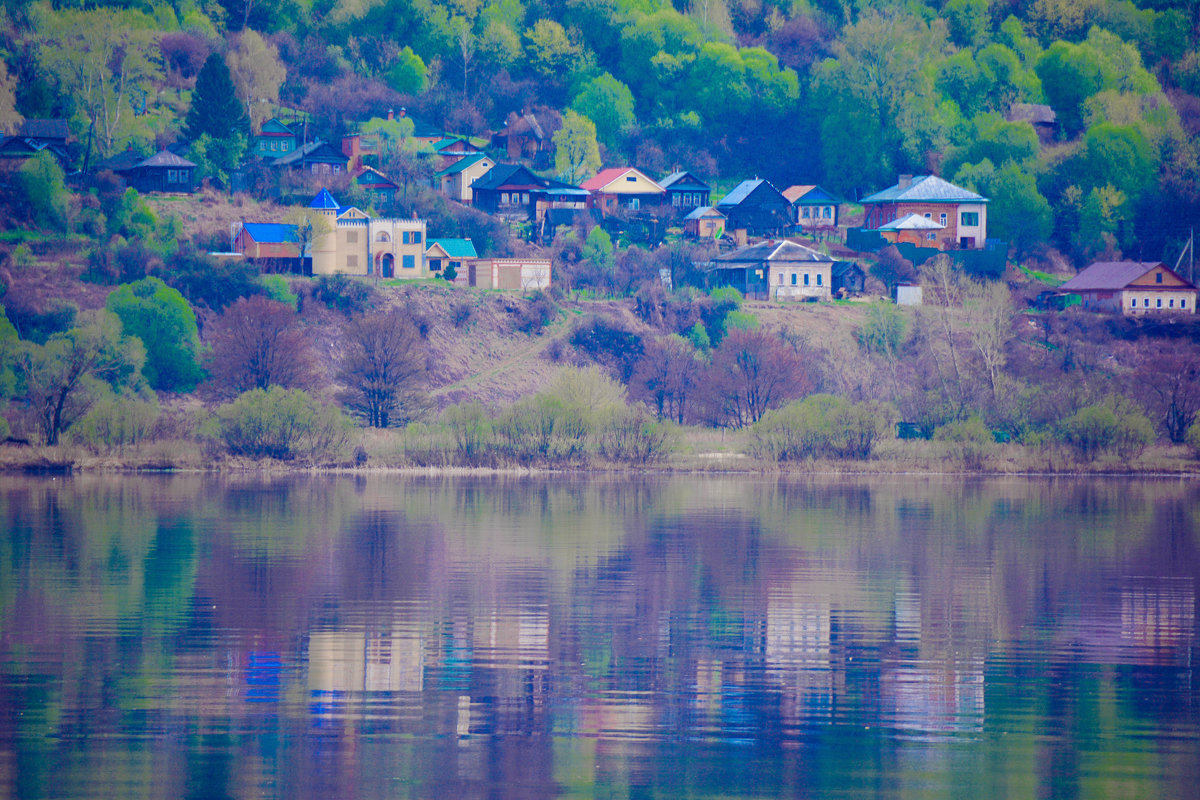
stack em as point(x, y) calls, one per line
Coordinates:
point(41, 188)
point(215, 109)
point(598, 248)
point(577, 153)
point(407, 74)
point(166, 324)
point(100, 59)
point(257, 75)
point(608, 103)
point(281, 423)
point(65, 377)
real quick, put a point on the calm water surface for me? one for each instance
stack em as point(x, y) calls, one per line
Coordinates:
point(690, 637)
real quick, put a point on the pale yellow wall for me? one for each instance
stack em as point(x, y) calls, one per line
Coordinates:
point(639, 185)
point(819, 274)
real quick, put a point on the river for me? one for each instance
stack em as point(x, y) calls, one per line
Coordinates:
point(396, 636)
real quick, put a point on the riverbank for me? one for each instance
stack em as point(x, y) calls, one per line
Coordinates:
point(892, 457)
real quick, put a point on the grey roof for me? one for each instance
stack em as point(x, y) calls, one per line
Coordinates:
point(927, 188)
point(165, 158)
point(1033, 113)
point(682, 175)
point(1109, 275)
point(303, 152)
point(45, 129)
point(704, 211)
point(912, 222)
point(785, 250)
point(742, 191)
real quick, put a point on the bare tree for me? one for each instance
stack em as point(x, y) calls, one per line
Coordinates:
point(258, 343)
point(383, 369)
point(668, 377)
point(1167, 381)
point(753, 371)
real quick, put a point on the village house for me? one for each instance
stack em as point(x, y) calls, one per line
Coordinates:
point(33, 136)
point(961, 213)
point(704, 223)
point(274, 139)
point(1132, 288)
point(317, 158)
point(526, 138)
point(381, 188)
point(913, 229)
point(456, 179)
point(515, 191)
point(622, 187)
point(449, 254)
point(777, 270)
point(162, 172)
point(757, 207)
point(508, 274)
point(1039, 115)
point(814, 207)
point(685, 191)
point(366, 149)
point(267, 243)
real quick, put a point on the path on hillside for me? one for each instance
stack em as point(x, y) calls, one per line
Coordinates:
point(535, 348)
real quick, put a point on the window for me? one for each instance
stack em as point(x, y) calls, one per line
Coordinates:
point(504, 198)
point(383, 237)
point(804, 213)
point(942, 219)
point(435, 264)
point(409, 262)
point(631, 178)
point(806, 279)
point(285, 145)
point(416, 237)
point(969, 218)
point(351, 237)
point(1182, 303)
point(1158, 277)
point(793, 279)
point(1133, 303)
point(928, 215)
point(274, 145)
point(456, 264)
point(819, 277)
point(406, 237)
point(170, 176)
point(1171, 303)
point(352, 262)
point(675, 200)
point(827, 212)
point(525, 198)
point(634, 203)
point(1146, 303)
point(1158, 303)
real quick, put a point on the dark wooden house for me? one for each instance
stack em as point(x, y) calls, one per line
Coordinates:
point(685, 192)
point(319, 158)
point(162, 172)
point(515, 190)
point(758, 207)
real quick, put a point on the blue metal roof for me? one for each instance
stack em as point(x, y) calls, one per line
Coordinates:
point(271, 232)
point(324, 201)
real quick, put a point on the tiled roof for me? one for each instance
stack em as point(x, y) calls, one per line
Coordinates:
point(927, 188)
point(271, 232)
point(603, 178)
point(808, 193)
point(1109, 275)
point(912, 222)
point(324, 201)
point(455, 248)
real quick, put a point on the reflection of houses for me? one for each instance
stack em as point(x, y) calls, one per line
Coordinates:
point(685, 191)
point(961, 213)
point(622, 187)
point(162, 172)
point(452, 254)
point(1159, 614)
point(1133, 287)
point(814, 207)
point(361, 661)
point(756, 206)
point(781, 270)
point(454, 181)
point(704, 223)
point(361, 245)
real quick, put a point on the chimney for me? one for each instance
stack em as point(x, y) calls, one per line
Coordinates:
point(391, 115)
point(905, 182)
point(403, 111)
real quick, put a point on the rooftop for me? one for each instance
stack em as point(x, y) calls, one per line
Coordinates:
point(928, 188)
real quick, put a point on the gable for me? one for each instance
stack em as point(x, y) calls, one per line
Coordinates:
point(1169, 278)
point(632, 182)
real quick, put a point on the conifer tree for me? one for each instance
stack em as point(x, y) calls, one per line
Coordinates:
point(216, 109)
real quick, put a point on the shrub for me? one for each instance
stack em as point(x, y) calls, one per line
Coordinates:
point(166, 324)
point(341, 293)
point(213, 282)
point(537, 314)
point(460, 315)
point(542, 428)
point(820, 425)
point(276, 287)
point(472, 427)
point(608, 342)
point(38, 324)
point(1113, 426)
point(631, 436)
point(116, 422)
point(281, 423)
point(970, 441)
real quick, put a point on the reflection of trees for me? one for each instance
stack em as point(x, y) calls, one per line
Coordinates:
point(534, 634)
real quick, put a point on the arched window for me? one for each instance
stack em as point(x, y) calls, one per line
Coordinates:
point(382, 237)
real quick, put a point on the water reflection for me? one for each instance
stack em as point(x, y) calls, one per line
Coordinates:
point(525, 637)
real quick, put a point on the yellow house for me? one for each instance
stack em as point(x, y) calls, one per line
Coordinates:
point(362, 245)
point(623, 186)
